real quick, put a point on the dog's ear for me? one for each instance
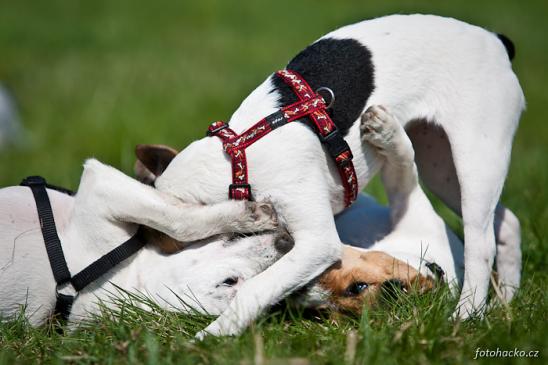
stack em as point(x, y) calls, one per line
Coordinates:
point(163, 242)
point(152, 160)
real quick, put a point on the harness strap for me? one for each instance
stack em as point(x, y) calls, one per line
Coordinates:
point(311, 105)
point(57, 261)
point(54, 249)
point(240, 188)
point(329, 135)
point(107, 262)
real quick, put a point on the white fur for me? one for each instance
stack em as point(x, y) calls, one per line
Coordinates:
point(430, 68)
point(96, 221)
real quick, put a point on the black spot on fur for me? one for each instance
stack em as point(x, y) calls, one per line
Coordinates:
point(344, 66)
point(509, 45)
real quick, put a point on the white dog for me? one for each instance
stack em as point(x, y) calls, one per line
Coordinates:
point(450, 84)
point(204, 277)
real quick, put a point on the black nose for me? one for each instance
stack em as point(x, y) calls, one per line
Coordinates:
point(284, 242)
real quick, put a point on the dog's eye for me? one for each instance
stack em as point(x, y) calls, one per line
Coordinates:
point(230, 281)
point(355, 289)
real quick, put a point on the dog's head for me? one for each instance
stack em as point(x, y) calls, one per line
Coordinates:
point(206, 275)
point(359, 279)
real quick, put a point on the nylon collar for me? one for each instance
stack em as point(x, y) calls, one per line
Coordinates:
point(56, 257)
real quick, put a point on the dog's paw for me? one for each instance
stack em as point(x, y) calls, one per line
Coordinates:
point(199, 336)
point(465, 310)
point(379, 128)
point(258, 216)
point(218, 328)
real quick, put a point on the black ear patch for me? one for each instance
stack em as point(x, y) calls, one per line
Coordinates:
point(508, 44)
point(344, 66)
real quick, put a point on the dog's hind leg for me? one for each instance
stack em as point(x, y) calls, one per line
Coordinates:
point(508, 259)
point(436, 167)
point(480, 137)
point(481, 173)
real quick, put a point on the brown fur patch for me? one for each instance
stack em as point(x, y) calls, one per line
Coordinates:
point(152, 160)
point(164, 243)
point(373, 268)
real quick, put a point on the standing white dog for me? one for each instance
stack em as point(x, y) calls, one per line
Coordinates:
point(433, 74)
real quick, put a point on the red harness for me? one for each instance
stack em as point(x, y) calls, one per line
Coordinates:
point(311, 105)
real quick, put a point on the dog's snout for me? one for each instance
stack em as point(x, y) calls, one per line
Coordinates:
point(284, 242)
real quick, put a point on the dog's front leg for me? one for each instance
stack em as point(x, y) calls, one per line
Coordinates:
point(317, 246)
point(399, 172)
point(127, 200)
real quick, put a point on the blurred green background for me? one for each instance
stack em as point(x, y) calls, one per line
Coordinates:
point(94, 78)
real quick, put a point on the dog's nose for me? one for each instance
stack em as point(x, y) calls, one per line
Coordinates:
point(284, 242)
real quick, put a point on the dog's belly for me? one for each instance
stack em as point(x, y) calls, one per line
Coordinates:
point(25, 273)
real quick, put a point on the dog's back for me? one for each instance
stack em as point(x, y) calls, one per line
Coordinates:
point(26, 278)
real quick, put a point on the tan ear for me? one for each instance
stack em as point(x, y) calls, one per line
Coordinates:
point(152, 160)
point(165, 244)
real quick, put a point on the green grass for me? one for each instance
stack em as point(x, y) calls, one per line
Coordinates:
point(95, 78)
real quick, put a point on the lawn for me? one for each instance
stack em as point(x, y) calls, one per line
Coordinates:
point(95, 78)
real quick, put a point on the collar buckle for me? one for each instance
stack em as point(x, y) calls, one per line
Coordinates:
point(212, 131)
point(335, 143)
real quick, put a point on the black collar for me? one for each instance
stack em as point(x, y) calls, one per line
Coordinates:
point(56, 257)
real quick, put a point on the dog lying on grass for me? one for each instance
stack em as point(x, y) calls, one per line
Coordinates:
point(203, 278)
